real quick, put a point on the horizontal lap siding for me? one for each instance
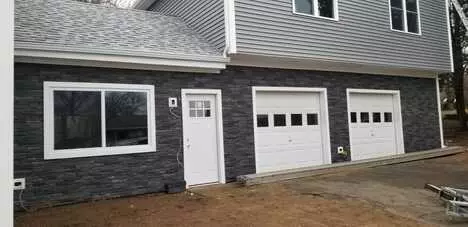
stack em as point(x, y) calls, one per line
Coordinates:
point(204, 16)
point(362, 34)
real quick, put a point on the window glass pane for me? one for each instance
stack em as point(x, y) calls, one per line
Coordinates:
point(326, 8)
point(376, 117)
point(262, 120)
point(353, 117)
point(207, 113)
point(411, 5)
point(388, 117)
point(192, 104)
point(304, 6)
point(397, 4)
point(206, 104)
point(126, 118)
point(200, 113)
point(312, 119)
point(397, 19)
point(296, 119)
point(280, 120)
point(413, 25)
point(193, 113)
point(77, 119)
point(364, 117)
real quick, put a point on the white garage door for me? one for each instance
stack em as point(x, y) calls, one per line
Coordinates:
point(289, 133)
point(373, 125)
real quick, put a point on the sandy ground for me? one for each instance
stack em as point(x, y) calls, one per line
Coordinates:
point(382, 196)
point(265, 205)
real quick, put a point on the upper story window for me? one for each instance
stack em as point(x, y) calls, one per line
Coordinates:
point(405, 15)
point(91, 119)
point(317, 8)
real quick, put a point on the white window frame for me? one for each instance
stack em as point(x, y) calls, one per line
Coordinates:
point(51, 153)
point(316, 11)
point(405, 19)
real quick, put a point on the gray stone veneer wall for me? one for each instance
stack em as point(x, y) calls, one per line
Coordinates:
point(78, 179)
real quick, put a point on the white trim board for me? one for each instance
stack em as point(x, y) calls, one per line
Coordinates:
point(289, 62)
point(449, 31)
point(7, 115)
point(398, 120)
point(51, 153)
point(219, 113)
point(326, 147)
point(439, 108)
point(230, 26)
point(127, 59)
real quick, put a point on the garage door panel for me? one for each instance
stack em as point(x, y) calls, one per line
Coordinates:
point(275, 159)
point(375, 137)
point(307, 148)
point(297, 143)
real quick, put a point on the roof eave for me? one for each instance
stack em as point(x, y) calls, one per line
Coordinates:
point(118, 59)
point(143, 4)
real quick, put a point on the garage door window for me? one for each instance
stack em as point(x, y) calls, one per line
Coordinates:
point(364, 117)
point(376, 117)
point(262, 120)
point(280, 120)
point(388, 117)
point(312, 119)
point(296, 119)
point(353, 117)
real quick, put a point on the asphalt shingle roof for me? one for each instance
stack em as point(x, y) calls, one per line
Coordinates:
point(67, 23)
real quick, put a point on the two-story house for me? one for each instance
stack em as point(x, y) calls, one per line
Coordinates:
point(115, 102)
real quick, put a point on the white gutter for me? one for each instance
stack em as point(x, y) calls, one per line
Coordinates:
point(98, 57)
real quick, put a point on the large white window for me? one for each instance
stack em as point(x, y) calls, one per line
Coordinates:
point(92, 119)
point(404, 16)
point(317, 8)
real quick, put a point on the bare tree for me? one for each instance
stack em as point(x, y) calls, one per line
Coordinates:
point(459, 42)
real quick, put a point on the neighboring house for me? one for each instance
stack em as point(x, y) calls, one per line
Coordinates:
point(113, 102)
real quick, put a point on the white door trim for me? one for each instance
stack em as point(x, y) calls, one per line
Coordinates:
point(400, 145)
point(219, 124)
point(323, 112)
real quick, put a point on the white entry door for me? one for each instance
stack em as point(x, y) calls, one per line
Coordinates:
point(200, 139)
point(288, 130)
point(373, 125)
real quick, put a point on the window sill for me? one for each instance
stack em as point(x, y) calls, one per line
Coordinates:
point(314, 16)
point(99, 151)
point(411, 33)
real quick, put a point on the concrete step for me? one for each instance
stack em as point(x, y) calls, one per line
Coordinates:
point(262, 178)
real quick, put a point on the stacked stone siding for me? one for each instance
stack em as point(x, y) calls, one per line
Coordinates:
point(78, 179)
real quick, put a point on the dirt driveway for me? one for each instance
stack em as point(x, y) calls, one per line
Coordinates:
point(382, 196)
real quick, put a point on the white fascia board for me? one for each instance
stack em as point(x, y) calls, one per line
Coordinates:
point(449, 31)
point(230, 26)
point(330, 65)
point(142, 4)
point(120, 59)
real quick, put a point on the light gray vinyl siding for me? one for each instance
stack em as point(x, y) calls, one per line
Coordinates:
point(204, 16)
point(362, 34)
